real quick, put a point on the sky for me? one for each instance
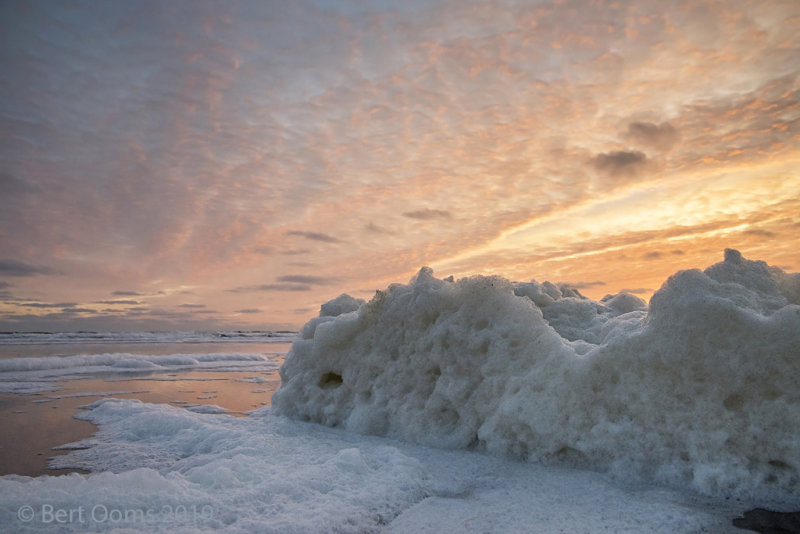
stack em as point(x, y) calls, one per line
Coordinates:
point(212, 165)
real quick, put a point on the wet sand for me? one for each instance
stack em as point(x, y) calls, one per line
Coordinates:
point(34, 424)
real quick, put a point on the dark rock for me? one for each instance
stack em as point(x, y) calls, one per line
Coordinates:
point(769, 522)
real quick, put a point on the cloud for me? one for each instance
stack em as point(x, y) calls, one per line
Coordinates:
point(126, 294)
point(376, 229)
point(314, 236)
point(296, 251)
point(191, 306)
point(50, 305)
point(289, 282)
point(592, 244)
point(78, 310)
point(661, 136)
point(657, 254)
point(270, 287)
point(126, 302)
point(11, 185)
point(427, 214)
point(18, 268)
point(756, 126)
point(636, 290)
point(249, 310)
point(306, 279)
point(620, 163)
point(759, 232)
point(582, 285)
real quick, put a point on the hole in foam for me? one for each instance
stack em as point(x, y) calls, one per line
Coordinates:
point(733, 402)
point(779, 464)
point(330, 380)
point(572, 457)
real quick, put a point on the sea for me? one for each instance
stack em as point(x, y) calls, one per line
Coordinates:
point(46, 377)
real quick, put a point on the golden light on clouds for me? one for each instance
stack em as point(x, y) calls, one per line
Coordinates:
point(272, 157)
point(716, 208)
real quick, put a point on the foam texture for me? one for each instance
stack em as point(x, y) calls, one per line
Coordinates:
point(699, 390)
point(159, 468)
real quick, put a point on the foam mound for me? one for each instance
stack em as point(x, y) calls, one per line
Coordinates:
point(698, 389)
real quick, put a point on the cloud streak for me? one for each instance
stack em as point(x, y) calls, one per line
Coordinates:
point(270, 287)
point(620, 162)
point(126, 294)
point(20, 269)
point(660, 136)
point(314, 236)
point(306, 279)
point(427, 214)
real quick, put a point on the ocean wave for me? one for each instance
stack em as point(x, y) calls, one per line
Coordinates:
point(26, 338)
point(34, 375)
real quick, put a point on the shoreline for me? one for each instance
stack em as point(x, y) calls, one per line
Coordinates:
point(58, 409)
point(38, 426)
point(27, 446)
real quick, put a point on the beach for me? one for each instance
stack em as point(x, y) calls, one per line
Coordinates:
point(40, 419)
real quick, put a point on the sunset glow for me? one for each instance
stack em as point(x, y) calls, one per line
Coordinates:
point(206, 165)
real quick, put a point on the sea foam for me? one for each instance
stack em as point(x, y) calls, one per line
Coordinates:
point(157, 468)
point(701, 388)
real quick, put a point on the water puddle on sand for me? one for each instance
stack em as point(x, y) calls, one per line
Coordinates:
point(34, 424)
